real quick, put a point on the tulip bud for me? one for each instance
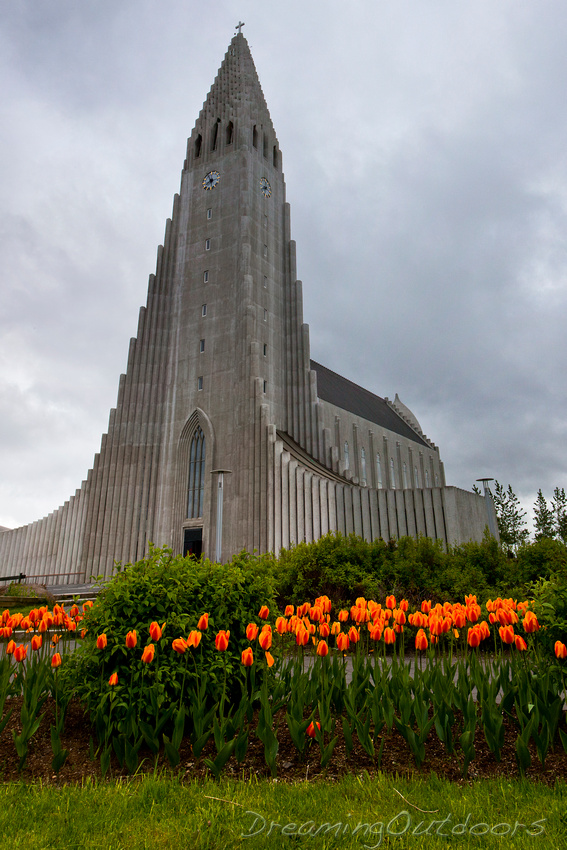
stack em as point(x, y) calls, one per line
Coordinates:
point(221, 640)
point(247, 657)
point(56, 660)
point(131, 639)
point(203, 623)
point(113, 679)
point(101, 641)
point(148, 654)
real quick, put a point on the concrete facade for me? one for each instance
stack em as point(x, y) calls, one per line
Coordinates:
point(219, 377)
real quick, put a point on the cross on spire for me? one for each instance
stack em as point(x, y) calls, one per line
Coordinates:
point(239, 26)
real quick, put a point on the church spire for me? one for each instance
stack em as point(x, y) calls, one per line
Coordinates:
point(235, 113)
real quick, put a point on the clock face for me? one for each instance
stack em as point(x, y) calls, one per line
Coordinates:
point(265, 187)
point(211, 180)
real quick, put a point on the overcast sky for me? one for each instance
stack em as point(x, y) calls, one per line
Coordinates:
point(425, 153)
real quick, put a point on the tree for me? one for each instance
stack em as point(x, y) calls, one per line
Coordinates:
point(510, 517)
point(544, 520)
point(559, 510)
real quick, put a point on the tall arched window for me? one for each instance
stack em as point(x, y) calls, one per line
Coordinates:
point(416, 476)
point(405, 474)
point(347, 462)
point(392, 474)
point(229, 133)
point(363, 467)
point(196, 487)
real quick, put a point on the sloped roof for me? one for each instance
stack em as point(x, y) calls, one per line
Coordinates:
point(348, 396)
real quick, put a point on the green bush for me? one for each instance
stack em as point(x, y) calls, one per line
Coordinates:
point(174, 590)
point(550, 606)
point(540, 559)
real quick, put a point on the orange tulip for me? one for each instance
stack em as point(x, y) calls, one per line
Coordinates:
point(426, 606)
point(324, 630)
point(302, 636)
point(194, 639)
point(247, 657)
point(483, 629)
point(101, 641)
point(36, 642)
point(264, 612)
point(55, 639)
point(399, 616)
point(156, 631)
point(530, 622)
point(322, 648)
point(289, 609)
point(113, 679)
point(221, 640)
point(506, 634)
point(343, 642)
point(20, 652)
point(389, 636)
point(312, 729)
point(252, 631)
point(391, 602)
point(473, 637)
point(270, 659)
point(148, 654)
point(265, 639)
point(520, 643)
point(421, 640)
point(343, 616)
point(179, 645)
point(353, 635)
point(86, 605)
point(131, 639)
point(56, 660)
point(336, 628)
point(375, 631)
point(74, 612)
point(560, 649)
point(203, 623)
point(281, 625)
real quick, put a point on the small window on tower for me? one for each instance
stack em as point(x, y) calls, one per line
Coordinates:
point(265, 315)
point(265, 149)
point(265, 349)
point(215, 135)
point(204, 310)
point(416, 476)
point(229, 132)
point(200, 383)
point(346, 455)
point(363, 467)
point(207, 244)
point(209, 214)
point(378, 472)
point(201, 345)
point(265, 282)
point(275, 156)
point(265, 250)
point(392, 474)
point(206, 276)
point(265, 386)
point(198, 143)
point(255, 136)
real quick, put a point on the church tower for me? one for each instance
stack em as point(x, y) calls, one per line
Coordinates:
point(225, 435)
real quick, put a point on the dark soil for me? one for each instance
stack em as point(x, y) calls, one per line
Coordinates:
point(396, 757)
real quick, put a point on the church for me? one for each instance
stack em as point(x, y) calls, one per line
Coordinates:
point(226, 434)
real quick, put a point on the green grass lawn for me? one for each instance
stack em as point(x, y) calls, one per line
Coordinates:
point(357, 812)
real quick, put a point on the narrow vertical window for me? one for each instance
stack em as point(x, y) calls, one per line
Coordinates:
point(347, 460)
point(265, 146)
point(201, 345)
point(405, 475)
point(392, 474)
point(416, 477)
point(275, 156)
point(363, 467)
point(206, 276)
point(265, 282)
point(200, 383)
point(204, 310)
point(265, 349)
point(378, 472)
point(196, 485)
point(265, 386)
point(209, 213)
point(229, 133)
point(255, 136)
point(215, 135)
point(427, 478)
point(265, 315)
point(198, 143)
point(207, 244)
point(265, 250)
point(436, 480)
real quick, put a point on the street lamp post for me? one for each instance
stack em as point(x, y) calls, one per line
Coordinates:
point(489, 505)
